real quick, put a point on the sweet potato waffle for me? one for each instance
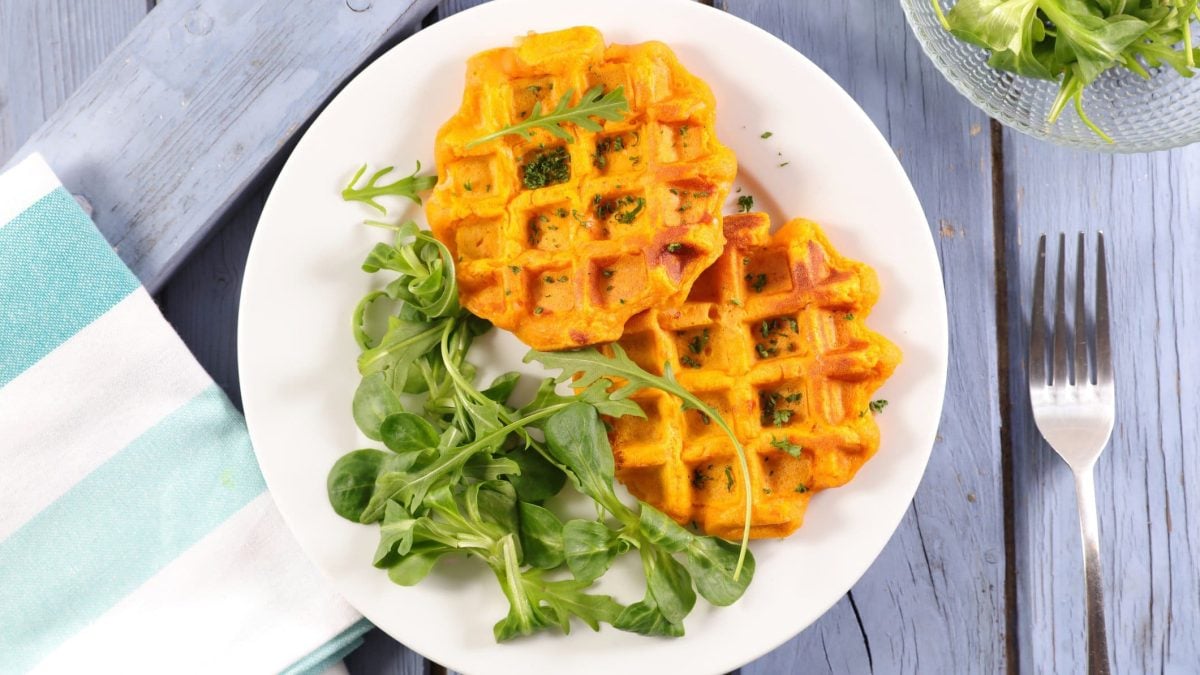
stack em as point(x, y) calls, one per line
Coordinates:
point(561, 243)
point(771, 336)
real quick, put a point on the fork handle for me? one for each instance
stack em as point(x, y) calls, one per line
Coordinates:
point(1097, 634)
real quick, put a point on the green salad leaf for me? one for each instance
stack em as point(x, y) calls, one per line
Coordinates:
point(407, 187)
point(595, 102)
point(462, 469)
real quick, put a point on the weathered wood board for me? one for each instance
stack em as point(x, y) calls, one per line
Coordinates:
point(1148, 480)
point(182, 117)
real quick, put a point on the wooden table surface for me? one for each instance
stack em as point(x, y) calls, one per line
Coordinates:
point(984, 573)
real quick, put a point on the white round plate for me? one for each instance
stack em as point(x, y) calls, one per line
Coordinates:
point(303, 279)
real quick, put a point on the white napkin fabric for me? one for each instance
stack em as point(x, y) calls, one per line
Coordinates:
point(136, 533)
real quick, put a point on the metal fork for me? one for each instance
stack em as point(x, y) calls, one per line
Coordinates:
point(1074, 408)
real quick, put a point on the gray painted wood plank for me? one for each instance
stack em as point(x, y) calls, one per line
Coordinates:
point(1148, 481)
point(201, 298)
point(47, 48)
point(381, 655)
point(934, 600)
point(182, 117)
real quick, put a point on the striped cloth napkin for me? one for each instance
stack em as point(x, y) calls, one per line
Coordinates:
point(136, 533)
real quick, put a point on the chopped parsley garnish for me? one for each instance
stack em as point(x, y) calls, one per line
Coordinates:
point(629, 216)
point(787, 446)
point(784, 164)
point(849, 316)
point(560, 212)
point(728, 478)
point(781, 417)
point(766, 134)
point(467, 186)
point(878, 405)
point(547, 168)
point(674, 247)
point(548, 279)
point(689, 361)
point(757, 281)
point(606, 146)
point(745, 203)
point(802, 488)
point(562, 279)
point(538, 310)
point(768, 401)
point(793, 398)
point(683, 129)
point(514, 269)
point(607, 273)
point(764, 352)
point(697, 344)
point(699, 478)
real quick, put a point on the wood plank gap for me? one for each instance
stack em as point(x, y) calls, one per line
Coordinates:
point(431, 18)
point(434, 668)
point(1004, 398)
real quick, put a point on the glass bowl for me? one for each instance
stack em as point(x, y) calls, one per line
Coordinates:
point(1140, 115)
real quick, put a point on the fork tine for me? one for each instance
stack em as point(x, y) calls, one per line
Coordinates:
point(1082, 376)
point(1104, 373)
point(1037, 319)
point(1058, 372)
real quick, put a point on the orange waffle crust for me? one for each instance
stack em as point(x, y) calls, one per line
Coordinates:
point(772, 336)
point(634, 225)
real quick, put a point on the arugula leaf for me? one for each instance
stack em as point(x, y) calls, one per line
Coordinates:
point(426, 281)
point(405, 187)
point(535, 603)
point(405, 343)
point(595, 102)
point(589, 366)
point(596, 394)
point(396, 534)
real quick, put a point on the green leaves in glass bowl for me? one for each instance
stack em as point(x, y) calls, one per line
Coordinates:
point(1073, 42)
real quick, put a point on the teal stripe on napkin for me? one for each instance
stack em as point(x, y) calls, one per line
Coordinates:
point(331, 652)
point(121, 524)
point(57, 275)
